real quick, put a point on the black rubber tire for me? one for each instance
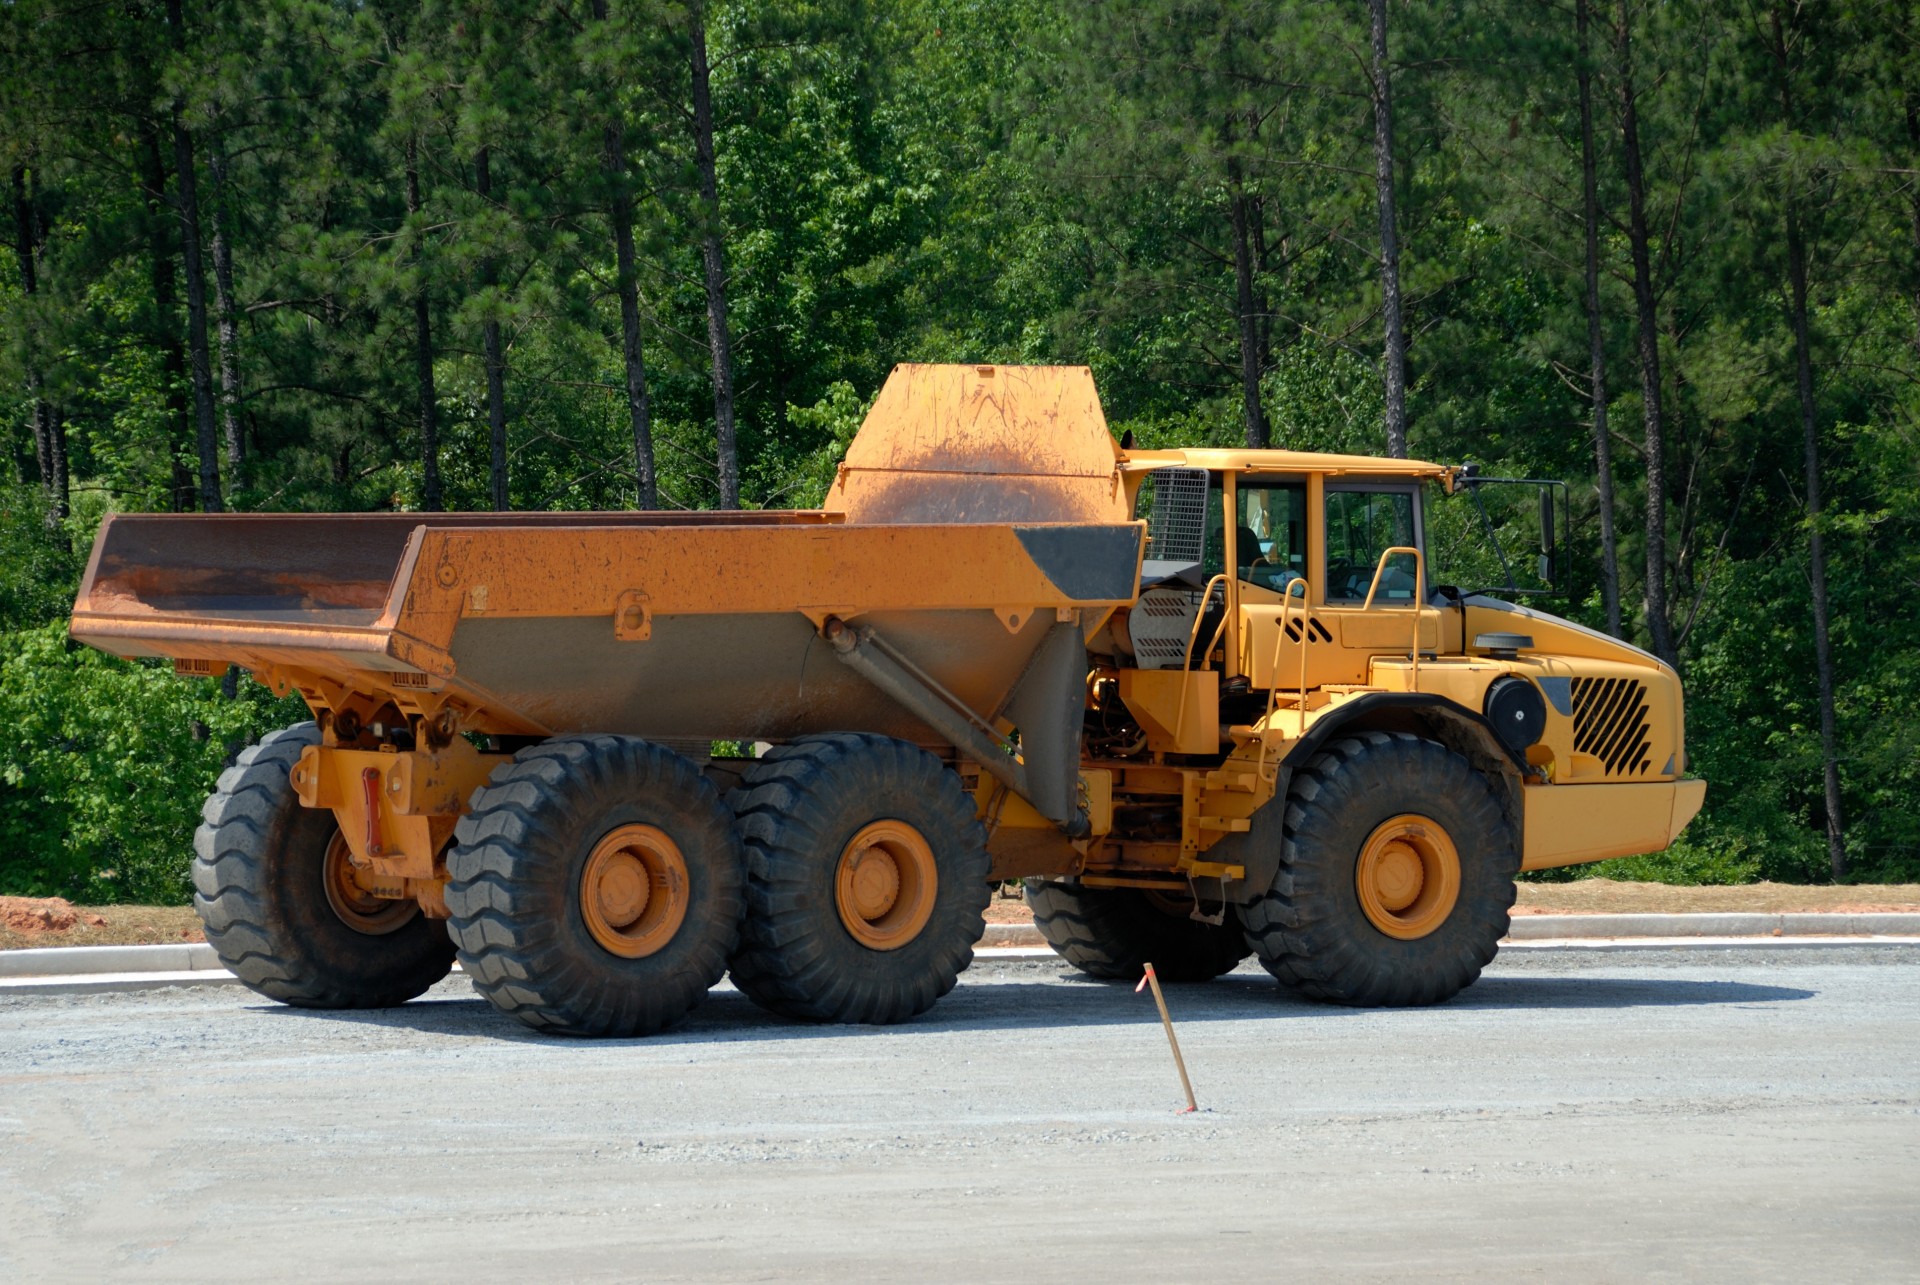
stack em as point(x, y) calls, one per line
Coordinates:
point(799, 807)
point(514, 886)
point(1309, 930)
point(259, 887)
point(1114, 933)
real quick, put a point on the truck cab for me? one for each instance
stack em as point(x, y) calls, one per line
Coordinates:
point(1289, 597)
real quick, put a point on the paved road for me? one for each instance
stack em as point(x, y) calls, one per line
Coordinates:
point(1749, 1115)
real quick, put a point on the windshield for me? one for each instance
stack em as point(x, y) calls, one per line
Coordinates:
point(1486, 538)
point(1362, 524)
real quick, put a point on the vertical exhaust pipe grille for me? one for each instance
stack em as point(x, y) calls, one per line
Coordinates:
point(1610, 723)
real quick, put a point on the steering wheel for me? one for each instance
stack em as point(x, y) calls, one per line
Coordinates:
point(1345, 580)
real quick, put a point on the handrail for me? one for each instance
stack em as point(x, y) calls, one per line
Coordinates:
point(1193, 636)
point(1419, 597)
point(1279, 640)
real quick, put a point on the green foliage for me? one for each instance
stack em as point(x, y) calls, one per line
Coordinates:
point(38, 565)
point(106, 766)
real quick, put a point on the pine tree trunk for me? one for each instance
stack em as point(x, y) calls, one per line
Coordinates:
point(173, 357)
point(1257, 219)
point(430, 495)
point(206, 433)
point(224, 308)
point(48, 447)
point(490, 343)
point(1596, 345)
point(1810, 451)
point(1659, 628)
point(1913, 207)
point(62, 482)
point(633, 359)
point(1396, 338)
point(713, 255)
point(1246, 311)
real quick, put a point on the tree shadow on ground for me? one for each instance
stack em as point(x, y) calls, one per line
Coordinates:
point(1068, 1000)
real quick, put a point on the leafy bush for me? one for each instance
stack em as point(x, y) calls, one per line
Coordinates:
point(106, 765)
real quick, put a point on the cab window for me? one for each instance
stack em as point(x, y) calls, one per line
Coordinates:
point(1361, 525)
point(1271, 545)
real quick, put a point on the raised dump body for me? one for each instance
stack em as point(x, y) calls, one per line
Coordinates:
point(954, 670)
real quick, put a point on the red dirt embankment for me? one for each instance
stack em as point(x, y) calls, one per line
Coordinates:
point(27, 922)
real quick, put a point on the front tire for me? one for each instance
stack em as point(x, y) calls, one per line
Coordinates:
point(268, 882)
point(867, 880)
point(1395, 879)
point(595, 887)
point(1113, 933)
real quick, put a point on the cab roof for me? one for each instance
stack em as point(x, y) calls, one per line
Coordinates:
point(1222, 460)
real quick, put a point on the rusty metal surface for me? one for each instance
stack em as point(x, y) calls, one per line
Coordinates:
point(537, 625)
point(983, 444)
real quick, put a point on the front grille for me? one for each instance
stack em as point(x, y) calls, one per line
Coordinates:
point(1610, 723)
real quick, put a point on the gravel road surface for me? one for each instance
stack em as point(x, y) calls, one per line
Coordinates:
point(1739, 1115)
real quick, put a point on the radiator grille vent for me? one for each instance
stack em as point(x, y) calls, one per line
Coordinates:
point(1178, 527)
point(1610, 723)
point(1314, 627)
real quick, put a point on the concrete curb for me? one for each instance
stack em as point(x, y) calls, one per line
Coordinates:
point(1643, 927)
point(67, 961)
point(1703, 943)
point(71, 970)
point(1538, 927)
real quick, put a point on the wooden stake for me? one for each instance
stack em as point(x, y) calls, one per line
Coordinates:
point(1167, 1021)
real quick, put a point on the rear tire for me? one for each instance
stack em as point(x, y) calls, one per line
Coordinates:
point(840, 932)
point(1114, 933)
point(1326, 930)
point(260, 886)
point(595, 886)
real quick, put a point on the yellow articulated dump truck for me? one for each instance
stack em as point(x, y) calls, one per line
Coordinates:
point(1206, 703)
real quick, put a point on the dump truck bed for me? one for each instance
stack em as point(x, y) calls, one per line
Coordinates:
point(679, 626)
point(978, 507)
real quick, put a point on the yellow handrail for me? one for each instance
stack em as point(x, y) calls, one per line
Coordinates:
point(1193, 636)
point(1419, 597)
point(1279, 640)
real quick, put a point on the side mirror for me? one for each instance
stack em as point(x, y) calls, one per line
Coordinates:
point(1546, 535)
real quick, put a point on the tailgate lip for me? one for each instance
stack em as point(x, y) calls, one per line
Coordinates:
point(85, 626)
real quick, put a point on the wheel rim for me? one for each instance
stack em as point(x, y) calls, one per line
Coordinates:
point(1408, 876)
point(357, 907)
point(634, 891)
point(884, 885)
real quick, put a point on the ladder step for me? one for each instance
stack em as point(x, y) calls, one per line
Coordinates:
point(1226, 825)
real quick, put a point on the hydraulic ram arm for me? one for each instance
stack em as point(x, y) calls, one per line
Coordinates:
point(1045, 706)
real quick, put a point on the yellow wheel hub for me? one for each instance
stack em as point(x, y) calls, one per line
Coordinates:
point(353, 902)
point(1408, 876)
point(885, 884)
point(634, 891)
